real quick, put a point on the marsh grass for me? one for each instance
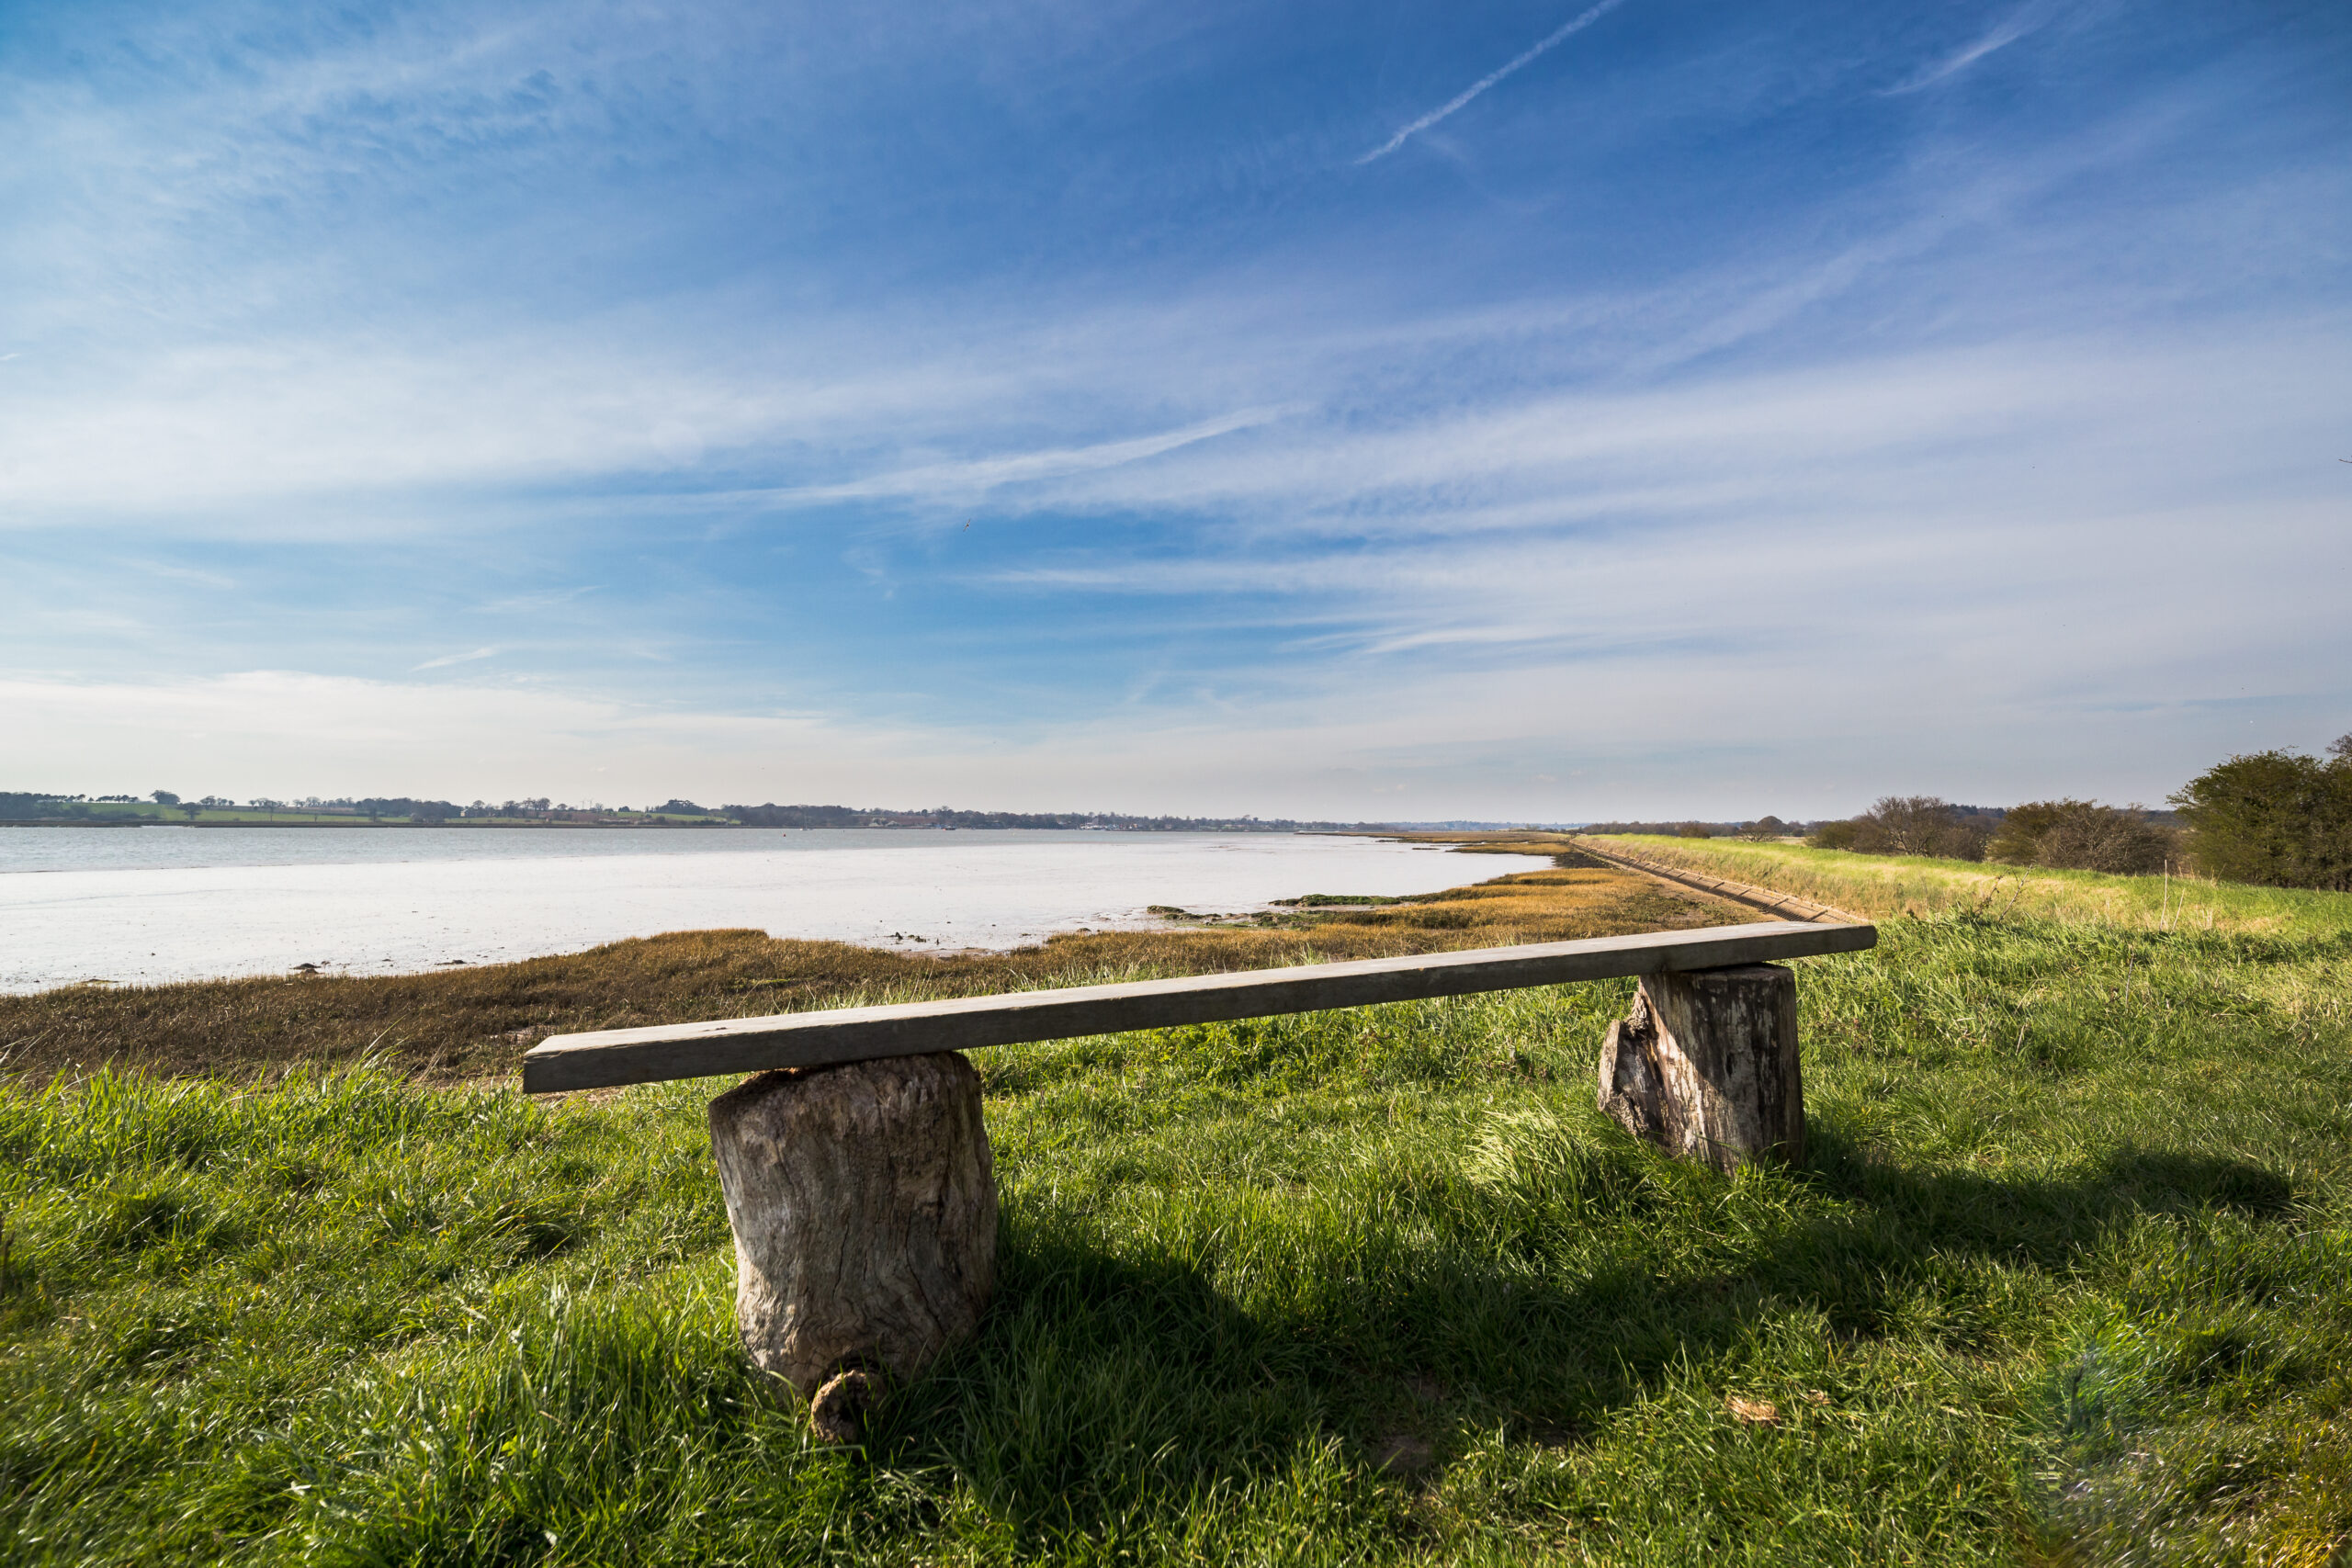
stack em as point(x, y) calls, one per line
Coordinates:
point(2068, 1278)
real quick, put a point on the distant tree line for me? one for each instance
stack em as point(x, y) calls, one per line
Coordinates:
point(35, 805)
point(20, 806)
point(793, 816)
point(23, 805)
point(1914, 825)
point(2279, 818)
point(375, 806)
point(1762, 828)
point(774, 815)
point(2077, 835)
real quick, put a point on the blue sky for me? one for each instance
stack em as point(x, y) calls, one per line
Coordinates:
point(1363, 410)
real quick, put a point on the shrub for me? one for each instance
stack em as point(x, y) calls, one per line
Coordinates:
point(2275, 817)
point(2080, 835)
point(1909, 825)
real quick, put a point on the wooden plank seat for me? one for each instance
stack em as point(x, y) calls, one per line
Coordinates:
point(855, 1162)
point(854, 1035)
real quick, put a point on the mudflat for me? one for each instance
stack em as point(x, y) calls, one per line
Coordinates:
point(475, 1020)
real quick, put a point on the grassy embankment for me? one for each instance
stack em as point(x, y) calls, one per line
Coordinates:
point(2069, 1276)
point(1880, 886)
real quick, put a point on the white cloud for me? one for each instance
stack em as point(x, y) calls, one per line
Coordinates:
point(1821, 449)
point(448, 659)
point(201, 578)
point(1749, 670)
point(1999, 36)
point(952, 481)
point(1519, 62)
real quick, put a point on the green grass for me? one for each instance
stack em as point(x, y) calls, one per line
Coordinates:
point(2067, 1279)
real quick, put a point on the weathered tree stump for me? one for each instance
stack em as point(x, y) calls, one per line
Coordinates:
point(1706, 1068)
point(863, 1202)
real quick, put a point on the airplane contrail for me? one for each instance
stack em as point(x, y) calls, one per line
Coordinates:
point(2008, 33)
point(1566, 31)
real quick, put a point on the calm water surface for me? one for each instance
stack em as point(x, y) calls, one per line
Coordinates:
point(143, 905)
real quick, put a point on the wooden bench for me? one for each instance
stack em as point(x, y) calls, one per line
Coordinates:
point(856, 1168)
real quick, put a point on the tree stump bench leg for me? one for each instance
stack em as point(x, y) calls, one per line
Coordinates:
point(1706, 1068)
point(863, 1199)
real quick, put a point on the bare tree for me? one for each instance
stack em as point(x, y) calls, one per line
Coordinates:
point(2081, 835)
point(1919, 825)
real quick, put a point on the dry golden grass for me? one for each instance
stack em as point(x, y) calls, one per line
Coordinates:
point(472, 1023)
point(1889, 887)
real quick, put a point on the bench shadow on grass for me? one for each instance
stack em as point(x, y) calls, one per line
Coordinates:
point(1104, 1393)
point(2046, 1221)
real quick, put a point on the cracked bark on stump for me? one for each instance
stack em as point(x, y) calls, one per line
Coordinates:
point(863, 1199)
point(1706, 1067)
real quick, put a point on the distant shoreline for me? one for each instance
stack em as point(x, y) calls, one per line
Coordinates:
point(474, 825)
point(479, 824)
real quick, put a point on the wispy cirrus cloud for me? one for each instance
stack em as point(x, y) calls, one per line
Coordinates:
point(1999, 36)
point(196, 575)
point(953, 480)
point(1518, 62)
point(446, 659)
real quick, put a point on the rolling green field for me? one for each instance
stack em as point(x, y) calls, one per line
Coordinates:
point(2067, 1279)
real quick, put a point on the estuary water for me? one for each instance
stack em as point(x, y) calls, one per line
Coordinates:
point(139, 906)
